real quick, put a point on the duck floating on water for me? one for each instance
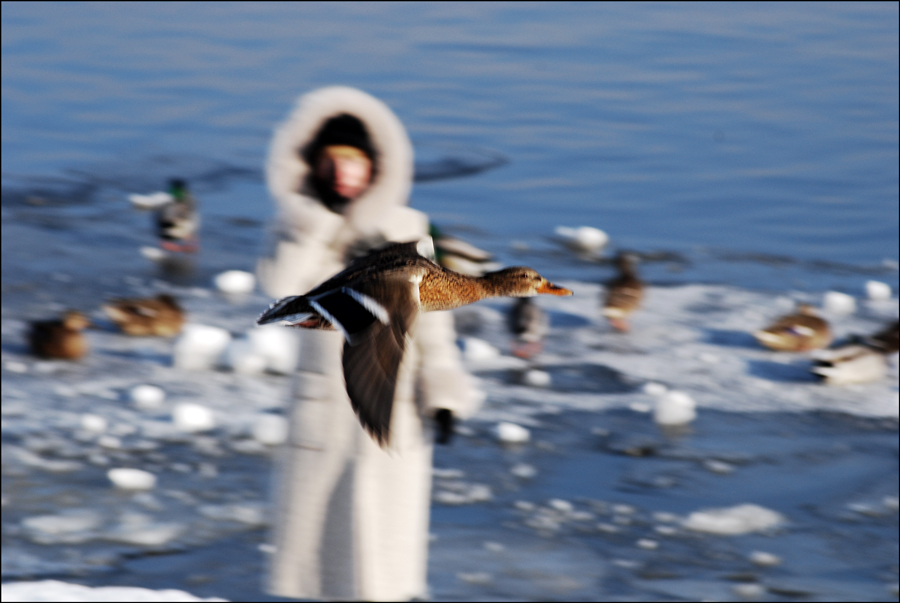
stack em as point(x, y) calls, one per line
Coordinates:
point(857, 362)
point(374, 303)
point(624, 293)
point(177, 222)
point(529, 323)
point(160, 316)
point(799, 332)
point(60, 338)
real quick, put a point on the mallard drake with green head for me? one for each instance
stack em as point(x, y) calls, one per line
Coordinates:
point(177, 222)
point(858, 362)
point(799, 332)
point(374, 302)
point(60, 338)
point(160, 316)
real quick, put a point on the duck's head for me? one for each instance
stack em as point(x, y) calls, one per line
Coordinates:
point(520, 281)
point(75, 320)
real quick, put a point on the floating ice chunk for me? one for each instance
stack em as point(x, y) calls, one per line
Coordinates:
point(147, 397)
point(558, 504)
point(764, 559)
point(200, 347)
point(674, 408)
point(109, 441)
point(141, 530)
point(583, 238)
point(448, 473)
point(836, 302)
point(15, 366)
point(279, 346)
point(536, 378)
point(510, 433)
point(878, 290)
point(720, 467)
point(154, 254)
point(463, 493)
point(93, 423)
point(243, 358)
point(741, 519)
point(750, 591)
point(477, 350)
point(235, 282)
point(270, 430)
point(479, 578)
point(891, 502)
point(494, 547)
point(70, 527)
point(151, 201)
point(641, 407)
point(665, 530)
point(192, 417)
point(54, 590)
point(253, 514)
point(655, 389)
point(131, 479)
point(523, 470)
point(647, 544)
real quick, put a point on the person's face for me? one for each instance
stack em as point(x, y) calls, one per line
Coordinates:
point(346, 168)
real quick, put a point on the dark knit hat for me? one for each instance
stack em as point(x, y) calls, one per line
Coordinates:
point(343, 129)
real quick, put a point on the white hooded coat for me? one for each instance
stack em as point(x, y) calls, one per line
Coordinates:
point(351, 519)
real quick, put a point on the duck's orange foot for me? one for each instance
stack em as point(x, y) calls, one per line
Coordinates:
point(526, 349)
point(619, 324)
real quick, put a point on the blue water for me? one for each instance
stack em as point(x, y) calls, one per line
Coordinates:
point(759, 142)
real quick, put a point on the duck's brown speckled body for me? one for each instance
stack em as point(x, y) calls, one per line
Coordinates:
point(798, 332)
point(160, 316)
point(624, 293)
point(60, 338)
point(374, 302)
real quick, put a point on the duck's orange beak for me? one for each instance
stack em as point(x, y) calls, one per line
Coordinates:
point(551, 289)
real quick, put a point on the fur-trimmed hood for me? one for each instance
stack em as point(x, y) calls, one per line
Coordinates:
point(286, 170)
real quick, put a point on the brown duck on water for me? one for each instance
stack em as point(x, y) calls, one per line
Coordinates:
point(374, 302)
point(160, 315)
point(798, 332)
point(624, 293)
point(60, 338)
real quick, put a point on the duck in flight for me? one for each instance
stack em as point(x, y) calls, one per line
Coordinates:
point(374, 303)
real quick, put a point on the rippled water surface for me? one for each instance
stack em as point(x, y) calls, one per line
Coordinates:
point(743, 136)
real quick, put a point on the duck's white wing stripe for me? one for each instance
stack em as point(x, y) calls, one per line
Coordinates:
point(330, 318)
point(376, 309)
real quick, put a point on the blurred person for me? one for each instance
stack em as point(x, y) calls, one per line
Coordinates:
point(351, 519)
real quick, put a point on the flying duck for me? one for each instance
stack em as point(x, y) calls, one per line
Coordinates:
point(374, 302)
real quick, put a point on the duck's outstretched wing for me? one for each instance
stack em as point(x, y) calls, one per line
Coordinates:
point(373, 354)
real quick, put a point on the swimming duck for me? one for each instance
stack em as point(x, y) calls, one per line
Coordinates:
point(860, 361)
point(374, 302)
point(624, 293)
point(60, 338)
point(583, 240)
point(798, 332)
point(529, 324)
point(160, 315)
point(177, 222)
point(459, 256)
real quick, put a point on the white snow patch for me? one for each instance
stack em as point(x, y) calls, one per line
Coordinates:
point(655, 389)
point(54, 590)
point(193, 417)
point(536, 378)
point(730, 521)
point(878, 290)
point(510, 433)
point(200, 347)
point(242, 358)
point(582, 238)
point(131, 479)
point(147, 397)
point(93, 423)
point(836, 302)
point(235, 282)
point(477, 350)
point(764, 559)
point(674, 408)
point(279, 347)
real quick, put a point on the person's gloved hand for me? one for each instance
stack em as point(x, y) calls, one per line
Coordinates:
point(443, 419)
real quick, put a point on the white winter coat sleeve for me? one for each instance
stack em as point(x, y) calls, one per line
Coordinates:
point(442, 382)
